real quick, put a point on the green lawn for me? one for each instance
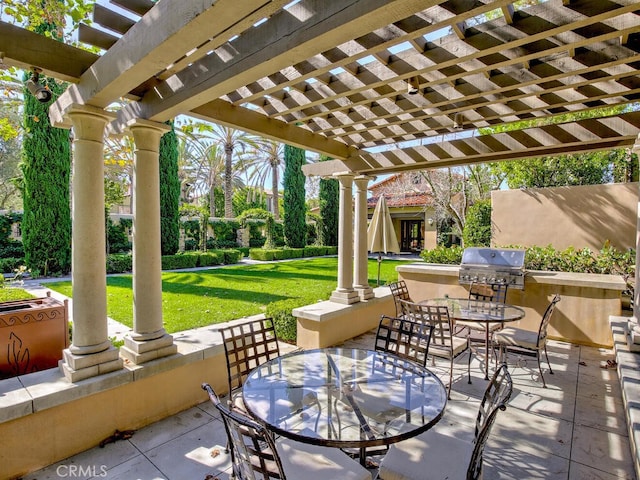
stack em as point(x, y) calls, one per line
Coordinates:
point(8, 294)
point(196, 299)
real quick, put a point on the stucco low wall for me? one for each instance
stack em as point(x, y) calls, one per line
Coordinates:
point(324, 324)
point(582, 317)
point(45, 419)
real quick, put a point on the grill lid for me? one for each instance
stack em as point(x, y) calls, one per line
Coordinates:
point(495, 257)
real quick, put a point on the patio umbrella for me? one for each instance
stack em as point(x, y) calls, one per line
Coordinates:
point(381, 236)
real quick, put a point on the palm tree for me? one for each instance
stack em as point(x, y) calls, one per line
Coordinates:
point(267, 160)
point(229, 141)
point(201, 166)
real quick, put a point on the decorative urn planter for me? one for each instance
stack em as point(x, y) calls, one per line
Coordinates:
point(33, 334)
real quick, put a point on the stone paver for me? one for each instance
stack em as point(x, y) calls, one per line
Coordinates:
point(573, 430)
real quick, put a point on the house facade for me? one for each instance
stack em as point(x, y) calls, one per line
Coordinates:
point(409, 199)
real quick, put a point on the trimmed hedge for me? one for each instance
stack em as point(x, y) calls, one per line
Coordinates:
point(314, 251)
point(8, 265)
point(175, 262)
point(607, 261)
point(261, 254)
point(285, 253)
point(446, 255)
point(284, 322)
point(119, 263)
point(207, 259)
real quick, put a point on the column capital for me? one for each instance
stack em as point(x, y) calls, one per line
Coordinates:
point(344, 175)
point(368, 178)
point(88, 122)
point(65, 120)
point(146, 133)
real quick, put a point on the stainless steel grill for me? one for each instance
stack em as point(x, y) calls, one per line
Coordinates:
point(492, 265)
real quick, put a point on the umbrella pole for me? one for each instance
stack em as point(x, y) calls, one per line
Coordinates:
point(379, 262)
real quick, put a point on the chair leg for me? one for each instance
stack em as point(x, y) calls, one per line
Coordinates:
point(450, 379)
point(547, 357)
point(544, 384)
point(469, 361)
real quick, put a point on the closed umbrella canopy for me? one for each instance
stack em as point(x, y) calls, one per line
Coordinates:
point(381, 236)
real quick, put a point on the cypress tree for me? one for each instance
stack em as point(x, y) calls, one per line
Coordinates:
point(295, 228)
point(46, 168)
point(169, 193)
point(329, 208)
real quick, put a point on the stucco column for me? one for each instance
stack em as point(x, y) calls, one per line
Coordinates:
point(345, 293)
point(90, 353)
point(149, 340)
point(361, 270)
point(636, 292)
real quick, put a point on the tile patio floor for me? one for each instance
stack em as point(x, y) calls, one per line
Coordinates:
point(573, 430)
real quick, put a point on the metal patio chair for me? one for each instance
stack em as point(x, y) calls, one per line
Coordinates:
point(404, 338)
point(256, 455)
point(248, 345)
point(437, 454)
point(525, 342)
point(444, 343)
point(399, 291)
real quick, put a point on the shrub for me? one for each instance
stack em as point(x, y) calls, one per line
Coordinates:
point(261, 254)
point(207, 259)
point(440, 254)
point(12, 248)
point(283, 321)
point(314, 251)
point(225, 231)
point(8, 265)
point(332, 250)
point(174, 262)
point(117, 241)
point(244, 250)
point(119, 263)
point(607, 261)
point(216, 244)
point(232, 256)
point(477, 227)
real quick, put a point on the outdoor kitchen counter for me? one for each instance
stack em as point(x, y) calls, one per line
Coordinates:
point(581, 317)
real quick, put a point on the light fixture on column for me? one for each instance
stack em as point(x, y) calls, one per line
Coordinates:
point(413, 86)
point(41, 92)
point(430, 221)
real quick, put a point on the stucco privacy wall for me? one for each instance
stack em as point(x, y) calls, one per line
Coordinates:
point(584, 216)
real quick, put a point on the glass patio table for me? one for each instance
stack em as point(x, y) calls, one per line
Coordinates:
point(481, 312)
point(354, 398)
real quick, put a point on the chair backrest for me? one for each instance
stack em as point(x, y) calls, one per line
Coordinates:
point(546, 318)
point(435, 315)
point(248, 345)
point(399, 291)
point(253, 451)
point(493, 292)
point(495, 398)
point(404, 338)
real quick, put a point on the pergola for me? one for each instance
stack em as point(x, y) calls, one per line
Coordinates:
point(381, 86)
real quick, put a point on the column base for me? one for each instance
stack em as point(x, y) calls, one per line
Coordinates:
point(138, 352)
point(79, 367)
point(344, 297)
point(365, 293)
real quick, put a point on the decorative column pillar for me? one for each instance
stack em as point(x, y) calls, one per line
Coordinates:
point(361, 270)
point(91, 352)
point(636, 292)
point(149, 340)
point(345, 293)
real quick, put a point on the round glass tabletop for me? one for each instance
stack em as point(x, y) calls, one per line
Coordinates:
point(345, 397)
